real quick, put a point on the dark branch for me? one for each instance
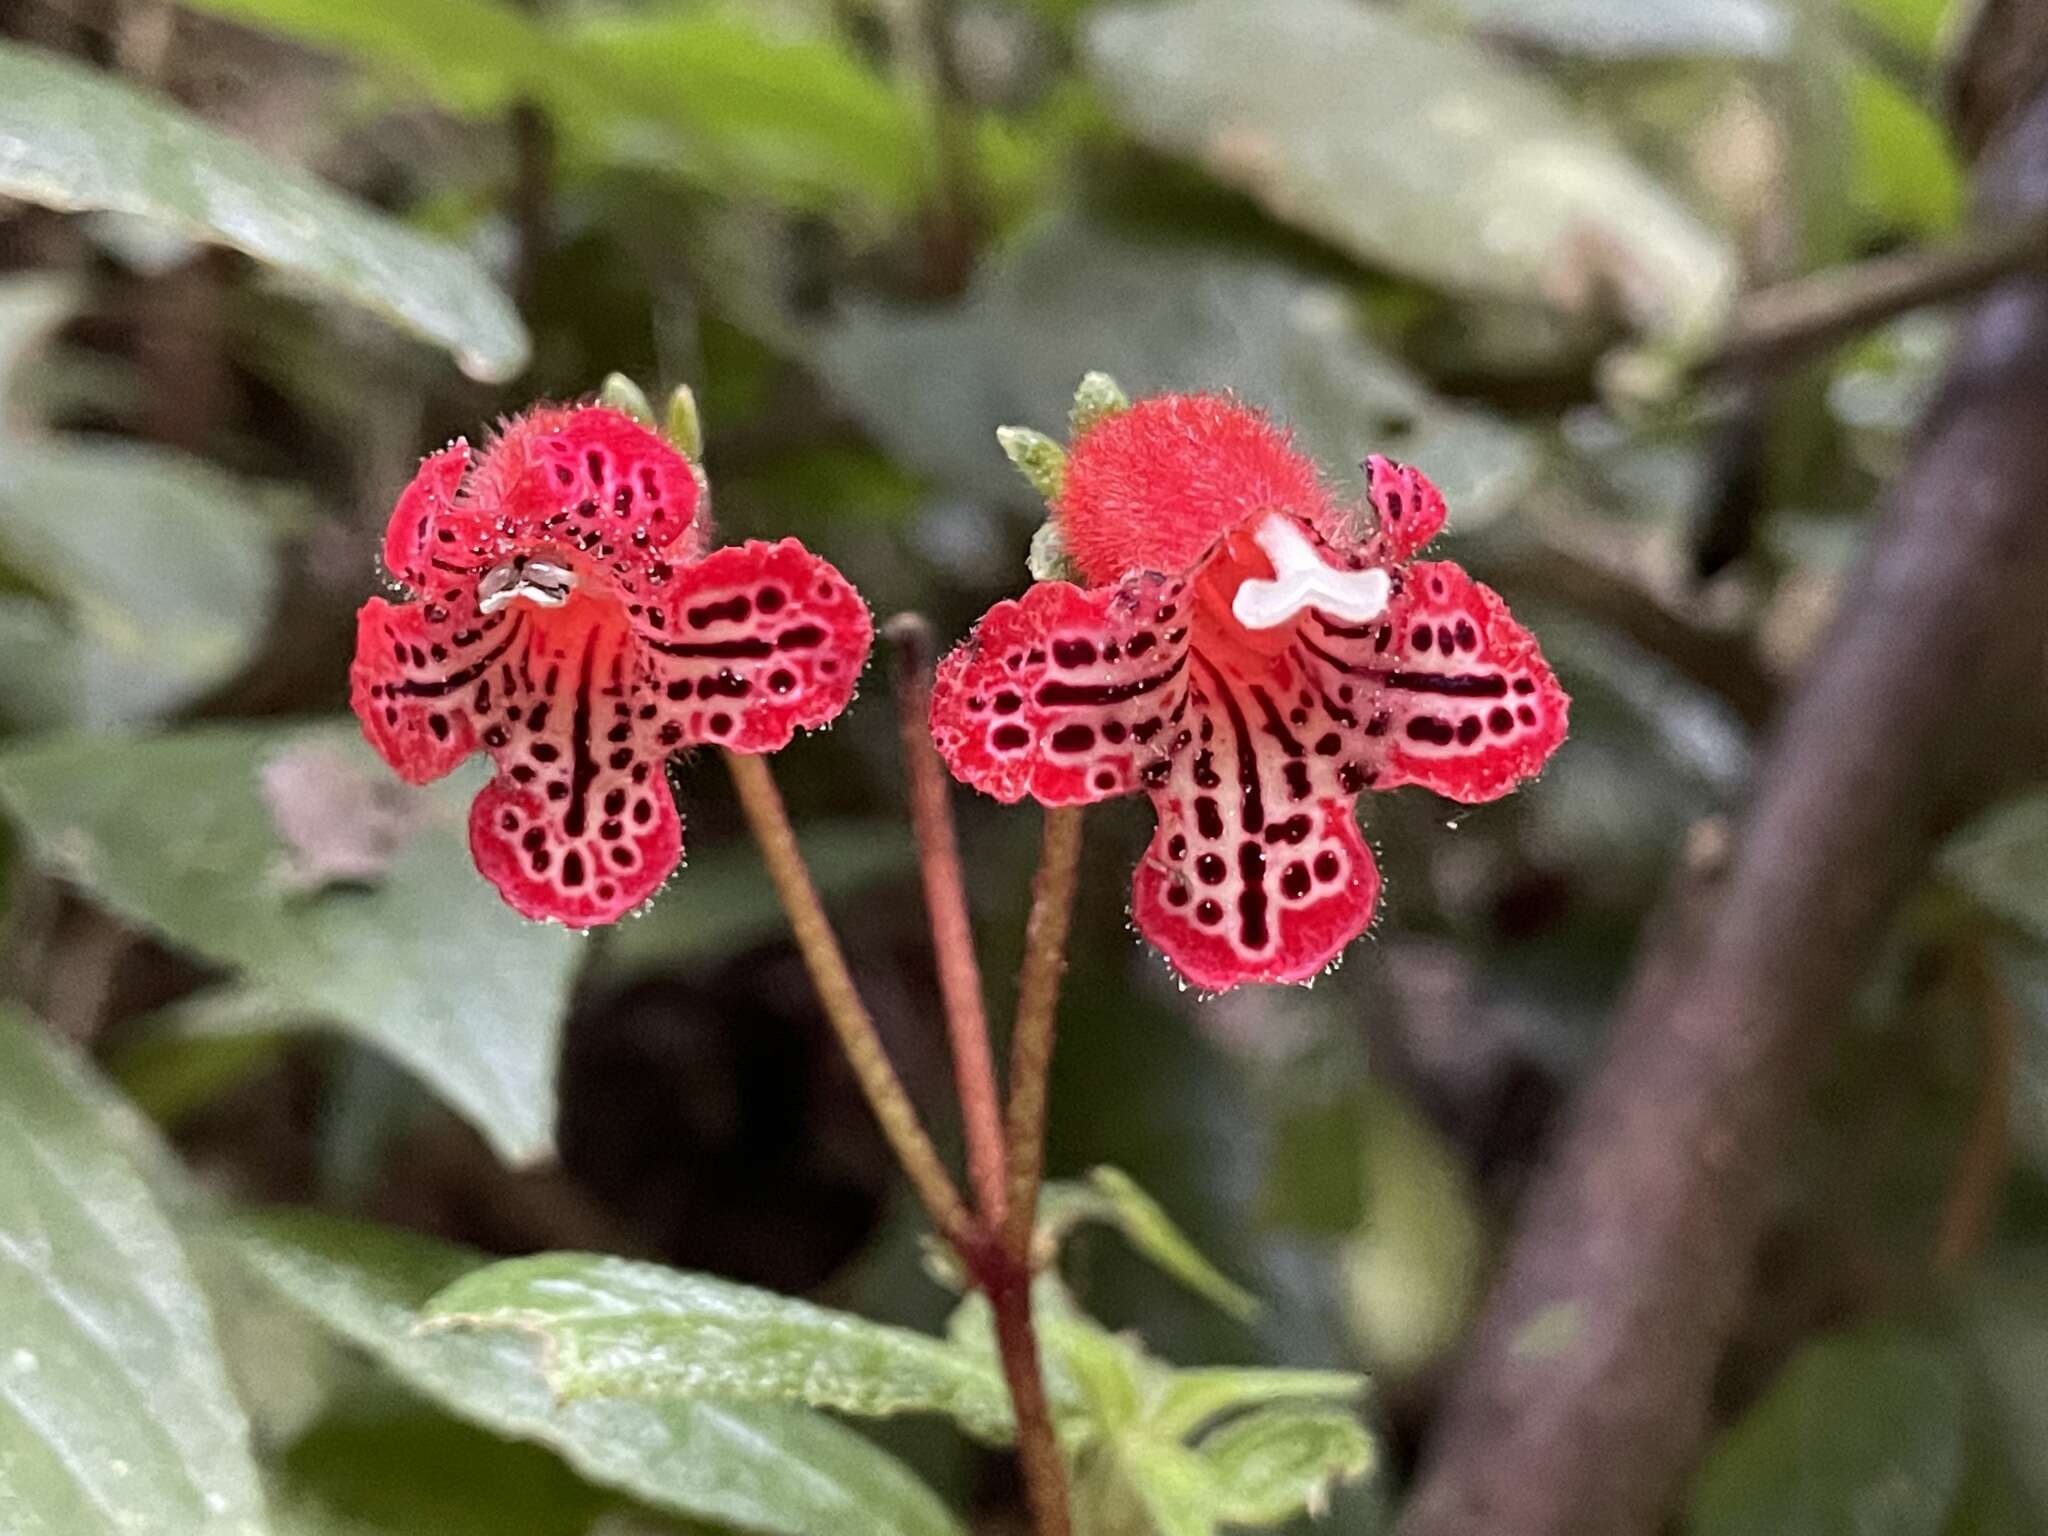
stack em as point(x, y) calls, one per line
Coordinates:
point(1582, 1402)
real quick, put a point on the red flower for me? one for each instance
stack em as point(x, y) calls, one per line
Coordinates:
point(1243, 651)
point(571, 624)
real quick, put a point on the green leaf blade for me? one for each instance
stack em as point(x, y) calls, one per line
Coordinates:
point(611, 1327)
point(115, 1413)
point(1453, 168)
point(75, 139)
point(174, 833)
point(761, 1466)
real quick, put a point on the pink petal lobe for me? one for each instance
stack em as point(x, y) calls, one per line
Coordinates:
point(1067, 695)
point(1409, 510)
point(761, 640)
point(1257, 871)
point(409, 542)
point(1469, 708)
point(420, 682)
point(579, 825)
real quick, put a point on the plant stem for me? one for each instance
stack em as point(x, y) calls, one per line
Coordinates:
point(1970, 1212)
point(945, 897)
point(769, 820)
point(1031, 1039)
point(1038, 1446)
point(1774, 326)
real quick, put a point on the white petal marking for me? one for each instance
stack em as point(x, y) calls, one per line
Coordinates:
point(1301, 580)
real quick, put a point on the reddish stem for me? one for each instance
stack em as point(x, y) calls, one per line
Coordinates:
point(1038, 1446)
point(945, 897)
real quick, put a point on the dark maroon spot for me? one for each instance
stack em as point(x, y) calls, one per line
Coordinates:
point(1177, 894)
point(1252, 902)
point(1105, 780)
point(1176, 847)
point(541, 860)
point(1142, 642)
point(1073, 738)
point(1525, 685)
point(1206, 775)
point(535, 838)
point(670, 734)
point(1296, 774)
point(1208, 821)
point(509, 822)
point(802, 638)
point(1377, 725)
point(1500, 720)
point(611, 831)
point(1209, 867)
point(438, 724)
point(1294, 829)
point(1327, 866)
point(731, 611)
point(1329, 744)
point(1073, 653)
point(781, 680)
point(770, 599)
point(642, 811)
point(1468, 730)
point(623, 857)
point(1421, 638)
point(1468, 639)
point(1208, 913)
point(572, 867)
point(1294, 881)
point(1352, 778)
point(1444, 638)
point(522, 773)
point(624, 755)
point(545, 751)
point(1525, 714)
point(1008, 703)
point(614, 801)
point(1010, 738)
point(1113, 732)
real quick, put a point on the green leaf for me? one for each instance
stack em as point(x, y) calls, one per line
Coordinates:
point(2005, 1321)
point(926, 383)
point(174, 833)
point(1634, 29)
point(611, 1327)
point(1861, 1435)
point(1421, 154)
point(182, 1057)
point(1112, 1197)
point(763, 1466)
point(693, 94)
point(78, 138)
point(1412, 1271)
point(1173, 1485)
point(1274, 1464)
point(115, 1414)
point(1904, 177)
point(1193, 1398)
point(157, 581)
point(1915, 25)
point(2001, 859)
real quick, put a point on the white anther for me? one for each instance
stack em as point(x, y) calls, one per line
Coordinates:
point(537, 581)
point(1301, 580)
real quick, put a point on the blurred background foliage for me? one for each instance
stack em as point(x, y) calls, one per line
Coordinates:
point(256, 256)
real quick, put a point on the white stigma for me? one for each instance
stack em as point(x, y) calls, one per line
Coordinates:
point(1301, 580)
point(537, 581)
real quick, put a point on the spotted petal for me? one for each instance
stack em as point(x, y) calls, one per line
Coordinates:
point(764, 640)
point(1257, 871)
point(421, 683)
point(1408, 510)
point(423, 507)
point(579, 825)
point(1468, 707)
point(1066, 695)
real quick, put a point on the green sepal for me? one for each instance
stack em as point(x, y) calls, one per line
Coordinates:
point(1041, 460)
point(1049, 560)
point(622, 394)
point(1097, 396)
point(685, 425)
